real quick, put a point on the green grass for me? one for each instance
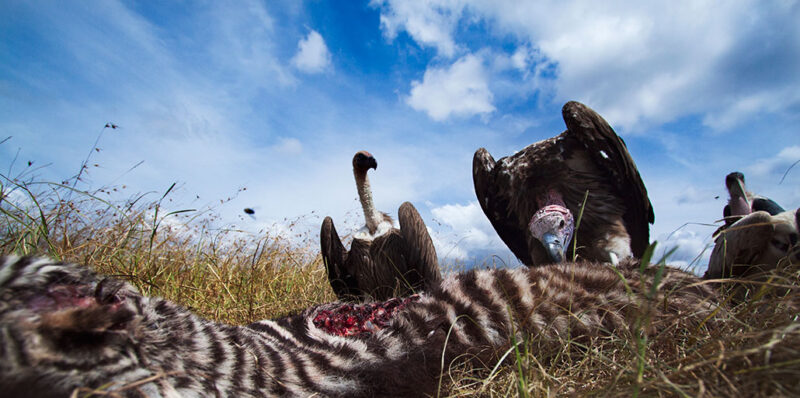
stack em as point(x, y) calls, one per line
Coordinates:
point(234, 277)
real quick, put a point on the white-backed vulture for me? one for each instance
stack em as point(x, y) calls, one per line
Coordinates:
point(757, 243)
point(383, 261)
point(533, 197)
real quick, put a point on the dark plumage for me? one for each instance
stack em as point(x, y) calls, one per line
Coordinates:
point(533, 197)
point(383, 261)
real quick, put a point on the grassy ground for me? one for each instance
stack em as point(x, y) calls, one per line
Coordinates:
point(239, 278)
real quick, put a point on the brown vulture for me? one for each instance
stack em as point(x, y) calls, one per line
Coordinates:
point(383, 261)
point(741, 202)
point(534, 196)
point(756, 243)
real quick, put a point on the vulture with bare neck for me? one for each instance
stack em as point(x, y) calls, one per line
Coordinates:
point(533, 198)
point(383, 261)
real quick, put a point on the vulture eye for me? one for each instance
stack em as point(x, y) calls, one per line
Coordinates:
point(561, 224)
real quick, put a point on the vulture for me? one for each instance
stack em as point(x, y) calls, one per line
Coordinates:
point(534, 197)
point(741, 202)
point(383, 261)
point(756, 243)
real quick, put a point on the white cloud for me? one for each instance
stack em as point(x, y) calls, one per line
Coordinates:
point(288, 146)
point(637, 64)
point(430, 23)
point(777, 165)
point(241, 43)
point(777, 177)
point(12, 197)
point(460, 90)
point(685, 216)
point(191, 104)
point(312, 54)
point(692, 249)
point(464, 232)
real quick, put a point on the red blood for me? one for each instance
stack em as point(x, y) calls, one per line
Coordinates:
point(352, 320)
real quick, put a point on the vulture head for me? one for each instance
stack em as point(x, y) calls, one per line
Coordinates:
point(552, 225)
point(742, 202)
point(739, 204)
point(363, 161)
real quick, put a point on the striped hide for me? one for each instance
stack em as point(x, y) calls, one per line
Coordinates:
point(64, 328)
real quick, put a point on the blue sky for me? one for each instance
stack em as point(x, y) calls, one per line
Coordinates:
point(277, 97)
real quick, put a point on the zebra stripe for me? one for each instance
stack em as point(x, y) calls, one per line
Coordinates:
point(62, 327)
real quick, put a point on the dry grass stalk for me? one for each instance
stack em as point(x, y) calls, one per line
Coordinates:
point(239, 278)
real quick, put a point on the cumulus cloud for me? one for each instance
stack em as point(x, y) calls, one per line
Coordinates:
point(692, 250)
point(459, 90)
point(465, 232)
point(777, 165)
point(637, 64)
point(777, 177)
point(312, 54)
point(429, 23)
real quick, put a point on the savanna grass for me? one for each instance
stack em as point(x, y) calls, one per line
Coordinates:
point(226, 275)
point(749, 348)
point(753, 348)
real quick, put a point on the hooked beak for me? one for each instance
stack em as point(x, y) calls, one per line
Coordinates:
point(741, 192)
point(554, 247)
point(739, 205)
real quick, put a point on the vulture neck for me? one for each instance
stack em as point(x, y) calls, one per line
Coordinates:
point(372, 215)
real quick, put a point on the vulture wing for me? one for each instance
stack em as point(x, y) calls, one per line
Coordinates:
point(389, 271)
point(494, 197)
point(422, 261)
point(334, 257)
point(761, 203)
point(609, 152)
point(398, 262)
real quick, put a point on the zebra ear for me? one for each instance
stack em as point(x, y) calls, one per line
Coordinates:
point(71, 309)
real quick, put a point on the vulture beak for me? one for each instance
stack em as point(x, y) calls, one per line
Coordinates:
point(552, 226)
point(554, 247)
point(740, 206)
point(739, 188)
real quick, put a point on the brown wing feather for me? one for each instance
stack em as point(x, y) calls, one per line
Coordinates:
point(334, 257)
point(597, 135)
point(389, 273)
point(495, 202)
point(741, 243)
point(421, 254)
